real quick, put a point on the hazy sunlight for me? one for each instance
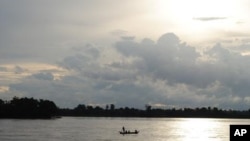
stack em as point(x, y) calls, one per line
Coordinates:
point(199, 17)
point(199, 129)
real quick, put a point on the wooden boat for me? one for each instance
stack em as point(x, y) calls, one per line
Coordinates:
point(128, 132)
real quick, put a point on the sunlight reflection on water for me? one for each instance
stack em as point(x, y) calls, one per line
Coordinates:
point(106, 129)
point(199, 129)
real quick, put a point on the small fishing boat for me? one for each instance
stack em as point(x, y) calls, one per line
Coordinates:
point(128, 132)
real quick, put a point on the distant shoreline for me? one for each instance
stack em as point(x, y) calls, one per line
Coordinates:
point(160, 117)
point(30, 108)
point(110, 111)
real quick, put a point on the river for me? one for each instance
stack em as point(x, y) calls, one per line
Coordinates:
point(106, 129)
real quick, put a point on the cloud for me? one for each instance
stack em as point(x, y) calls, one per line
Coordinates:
point(44, 76)
point(118, 32)
point(33, 33)
point(133, 73)
point(96, 60)
point(177, 63)
point(205, 19)
point(3, 69)
point(167, 59)
point(128, 37)
point(19, 70)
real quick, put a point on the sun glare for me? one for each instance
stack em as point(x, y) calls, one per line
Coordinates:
point(199, 17)
point(199, 129)
point(190, 9)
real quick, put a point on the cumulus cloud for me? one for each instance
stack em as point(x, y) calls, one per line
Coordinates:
point(168, 59)
point(166, 72)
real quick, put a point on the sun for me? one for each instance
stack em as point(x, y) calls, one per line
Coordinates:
point(189, 9)
point(199, 17)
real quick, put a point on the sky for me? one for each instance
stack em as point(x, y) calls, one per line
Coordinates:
point(165, 53)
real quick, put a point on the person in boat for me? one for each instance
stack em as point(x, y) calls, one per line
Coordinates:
point(123, 129)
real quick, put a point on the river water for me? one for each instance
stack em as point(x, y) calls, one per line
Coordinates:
point(106, 129)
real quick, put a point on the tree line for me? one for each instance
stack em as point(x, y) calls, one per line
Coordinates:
point(28, 108)
point(32, 108)
point(111, 111)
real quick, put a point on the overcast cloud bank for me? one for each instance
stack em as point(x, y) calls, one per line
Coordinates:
point(167, 73)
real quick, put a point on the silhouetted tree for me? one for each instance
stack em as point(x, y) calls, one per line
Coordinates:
point(112, 107)
point(107, 107)
point(148, 107)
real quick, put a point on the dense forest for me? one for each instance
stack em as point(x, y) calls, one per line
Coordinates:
point(33, 109)
point(28, 108)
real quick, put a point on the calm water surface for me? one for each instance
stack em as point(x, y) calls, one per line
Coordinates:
point(106, 129)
